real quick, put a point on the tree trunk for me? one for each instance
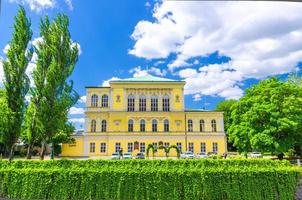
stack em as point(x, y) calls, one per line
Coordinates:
point(29, 151)
point(11, 153)
point(52, 153)
point(42, 151)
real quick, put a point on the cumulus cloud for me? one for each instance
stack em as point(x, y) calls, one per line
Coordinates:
point(138, 71)
point(197, 97)
point(260, 38)
point(39, 5)
point(77, 120)
point(76, 111)
point(82, 99)
point(106, 82)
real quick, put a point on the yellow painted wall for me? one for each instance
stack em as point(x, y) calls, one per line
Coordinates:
point(75, 149)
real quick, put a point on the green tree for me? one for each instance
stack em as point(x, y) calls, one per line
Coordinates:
point(16, 81)
point(226, 108)
point(5, 114)
point(57, 56)
point(268, 117)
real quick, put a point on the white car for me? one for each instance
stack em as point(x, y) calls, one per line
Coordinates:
point(201, 155)
point(256, 155)
point(115, 156)
point(127, 156)
point(187, 154)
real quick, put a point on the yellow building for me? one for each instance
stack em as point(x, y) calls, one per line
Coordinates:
point(133, 113)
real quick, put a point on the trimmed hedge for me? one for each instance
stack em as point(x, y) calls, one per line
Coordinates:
point(184, 179)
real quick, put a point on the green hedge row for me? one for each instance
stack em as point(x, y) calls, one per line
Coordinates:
point(143, 164)
point(250, 184)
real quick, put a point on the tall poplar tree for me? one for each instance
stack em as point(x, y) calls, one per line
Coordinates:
point(53, 95)
point(16, 81)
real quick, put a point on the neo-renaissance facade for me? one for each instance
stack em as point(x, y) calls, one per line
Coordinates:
point(133, 113)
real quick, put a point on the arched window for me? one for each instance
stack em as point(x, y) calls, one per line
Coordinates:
point(94, 100)
point(201, 125)
point(142, 125)
point(166, 103)
point(154, 103)
point(142, 103)
point(166, 125)
point(213, 123)
point(105, 100)
point(190, 125)
point(104, 125)
point(154, 125)
point(131, 102)
point(93, 126)
point(130, 125)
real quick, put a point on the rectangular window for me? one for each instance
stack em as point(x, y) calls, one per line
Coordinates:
point(92, 147)
point(117, 147)
point(215, 147)
point(203, 147)
point(142, 104)
point(166, 104)
point(130, 147)
point(166, 144)
point(178, 144)
point(142, 147)
point(154, 104)
point(191, 147)
point(103, 147)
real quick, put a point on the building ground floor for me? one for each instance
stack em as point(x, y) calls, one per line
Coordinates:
point(106, 144)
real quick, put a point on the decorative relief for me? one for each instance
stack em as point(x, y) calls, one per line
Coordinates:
point(118, 98)
point(117, 122)
point(177, 98)
point(177, 122)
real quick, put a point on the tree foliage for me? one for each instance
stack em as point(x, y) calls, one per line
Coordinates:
point(16, 81)
point(268, 117)
point(226, 108)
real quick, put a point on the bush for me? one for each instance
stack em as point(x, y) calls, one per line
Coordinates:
point(148, 179)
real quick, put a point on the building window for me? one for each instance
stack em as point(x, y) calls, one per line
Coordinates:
point(105, 101)
point(117, 147)
point(178, 144)
point(142, 147)
point(154, 125)
point(213, 123)
point(215, 147)
point(166, 144)
point(166, 125)
point(203, 147)
point(142, 103)
point(166, 103)
point(191, 147)
point(94, 100)
point(190, 125)
point(154, 103)
point(131, 102)
point(104, 125)
point(103, 147)
point(92, 147)
point(142, 125)
point(201, 125)
point(130, 125)
point(93, 126)
point(130, 147)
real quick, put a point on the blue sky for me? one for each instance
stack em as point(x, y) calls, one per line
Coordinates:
point(218, 48)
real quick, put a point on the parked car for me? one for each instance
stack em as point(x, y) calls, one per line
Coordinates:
point(201, 155)
point(256, 155)
point(211, 154)
point(140, 156)
point(127, 156)
point(115, 156)
point(187, 154)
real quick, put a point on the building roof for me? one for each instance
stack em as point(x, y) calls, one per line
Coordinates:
point(147, 78)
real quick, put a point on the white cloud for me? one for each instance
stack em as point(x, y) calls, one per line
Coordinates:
point(138, 71)
point(76, 111)
point(106, 82)
point(39, 5)
point(77, 120)
point(82, 99)
point(197, 97)
point(186, 73)
point(1, 73)
point(261, 38)
point(36, 5)
point(79, 47)
point(6, 48)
